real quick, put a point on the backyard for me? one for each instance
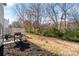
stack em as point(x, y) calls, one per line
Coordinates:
point(49, 29)
point(35, 45)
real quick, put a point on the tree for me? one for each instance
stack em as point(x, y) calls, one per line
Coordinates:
point(64, 10)
point(73, 14)
point(16, 24)
point(31, 12)
point(35, 14)
point(52, 13)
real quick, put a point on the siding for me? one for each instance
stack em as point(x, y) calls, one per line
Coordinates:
point(1, 22)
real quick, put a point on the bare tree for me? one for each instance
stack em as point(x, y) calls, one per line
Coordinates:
point(31, 12)
point(73, 14)
point(20, 11)
point(64, 10)
point(34, 11)
point(52, 13)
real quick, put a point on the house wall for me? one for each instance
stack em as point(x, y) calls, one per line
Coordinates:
point(1, 18)
point(1, 22)
point(6, 26)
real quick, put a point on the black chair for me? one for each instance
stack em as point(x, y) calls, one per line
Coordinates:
point(18, 34)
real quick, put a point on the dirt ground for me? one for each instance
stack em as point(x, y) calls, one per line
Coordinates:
point(25, 48)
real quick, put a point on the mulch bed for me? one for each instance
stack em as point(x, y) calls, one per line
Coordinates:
point(25, 48)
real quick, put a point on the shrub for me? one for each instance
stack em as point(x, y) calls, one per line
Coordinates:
point(57, 32)
point(71, 35)
point(67, 34)
point(51, 32)
point(43, 31)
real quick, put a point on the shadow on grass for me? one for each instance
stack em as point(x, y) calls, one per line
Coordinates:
point(22, 45)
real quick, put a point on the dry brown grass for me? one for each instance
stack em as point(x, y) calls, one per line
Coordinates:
point(54, 45)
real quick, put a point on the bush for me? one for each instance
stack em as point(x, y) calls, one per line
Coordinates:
point(71, 35)
point(8, 34)
point(32, 30)
point(51, 32)
point(57, 32)
point(43, 31)
point(67, 34)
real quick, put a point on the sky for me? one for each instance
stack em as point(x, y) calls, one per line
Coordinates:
point(8, 12)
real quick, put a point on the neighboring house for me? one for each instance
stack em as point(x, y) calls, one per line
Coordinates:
point(1, 24)
point(73, 23)
point(70, 24)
